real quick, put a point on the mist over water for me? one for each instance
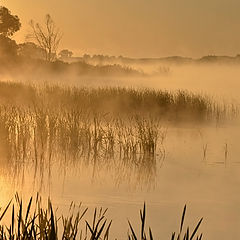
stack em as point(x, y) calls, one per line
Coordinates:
point(200, 166)
point(117, 132)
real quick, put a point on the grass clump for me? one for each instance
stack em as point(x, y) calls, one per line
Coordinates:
point(187, 235)
point(41, 223)
point(38, 223)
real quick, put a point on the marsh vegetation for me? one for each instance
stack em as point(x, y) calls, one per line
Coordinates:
point(109, 127)
point(48, 131)
point(34, 221)
point(114, 132)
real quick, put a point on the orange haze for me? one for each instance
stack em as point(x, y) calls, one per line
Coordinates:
point(139, 28)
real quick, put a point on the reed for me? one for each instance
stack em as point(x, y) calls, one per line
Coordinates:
point(38, 223)
point(107, 127)
point(147, 234)
point(174, 106)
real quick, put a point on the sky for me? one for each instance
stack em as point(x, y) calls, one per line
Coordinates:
point(138, 28)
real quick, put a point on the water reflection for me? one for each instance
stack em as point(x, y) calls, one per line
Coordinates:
point(178, 174)
point(119, 162)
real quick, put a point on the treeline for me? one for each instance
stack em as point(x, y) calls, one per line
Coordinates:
point(19, 58)
point(37, 67)
point(98, 59)
point(40, 54)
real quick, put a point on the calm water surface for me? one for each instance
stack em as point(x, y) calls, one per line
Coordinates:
point(200, 168)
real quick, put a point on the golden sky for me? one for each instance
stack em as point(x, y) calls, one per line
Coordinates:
point(138, 28)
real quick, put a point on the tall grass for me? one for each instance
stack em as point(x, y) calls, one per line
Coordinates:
point(95, 126)
point(36, 222)
point(145, 235)
point(116, 101)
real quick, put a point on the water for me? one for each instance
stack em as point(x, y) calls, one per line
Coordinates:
point(200, 168)
point(207, 184)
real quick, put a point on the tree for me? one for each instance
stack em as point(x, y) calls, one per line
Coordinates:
point(31, 50)
point(65, 53)
point(9, 24)
point(47, 37)
point(8, 47)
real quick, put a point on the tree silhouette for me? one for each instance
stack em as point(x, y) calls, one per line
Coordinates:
point(31, 50)
point(9, 24)
point(46, 37)
point(65, 53)
point(8, 47)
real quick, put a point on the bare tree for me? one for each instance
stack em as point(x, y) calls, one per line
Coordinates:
point(46, 37)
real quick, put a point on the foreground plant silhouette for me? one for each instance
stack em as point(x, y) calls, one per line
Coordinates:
point(43, 224)
point(181, 235)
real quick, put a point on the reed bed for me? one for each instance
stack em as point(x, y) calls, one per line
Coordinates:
point(174, 106)
point(38, 135)
point(37, 139)
point(103, 127)
point(39, 223)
